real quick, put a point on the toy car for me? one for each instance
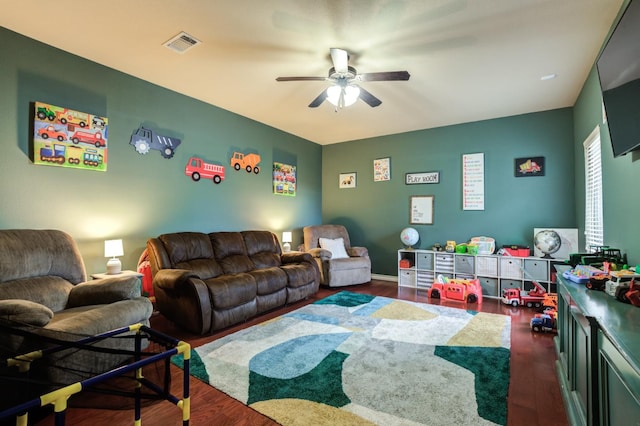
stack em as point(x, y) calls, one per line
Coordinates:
point(619, 283)
point(456, 289)
point(597, 282)
point(543, 322)
point(51, 132)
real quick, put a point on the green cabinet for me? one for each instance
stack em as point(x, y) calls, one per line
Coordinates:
point(598, 352)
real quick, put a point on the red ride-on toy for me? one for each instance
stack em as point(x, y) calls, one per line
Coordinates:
point(456, 289)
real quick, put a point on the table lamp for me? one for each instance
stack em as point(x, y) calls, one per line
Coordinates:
point(286, 239)
point(112, 249)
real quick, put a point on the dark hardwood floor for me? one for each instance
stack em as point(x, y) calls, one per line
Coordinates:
point(534, 393)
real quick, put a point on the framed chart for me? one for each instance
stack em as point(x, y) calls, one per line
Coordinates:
point(421, 210)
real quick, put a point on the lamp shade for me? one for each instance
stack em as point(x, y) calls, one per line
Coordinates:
point(286, 240)
point(349, 95)
point(113, 248)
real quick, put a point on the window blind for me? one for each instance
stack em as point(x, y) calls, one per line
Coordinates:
point(593, 226)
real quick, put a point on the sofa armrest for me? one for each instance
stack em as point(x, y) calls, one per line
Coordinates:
point(104, 290)
point(296, 257)
point(358, 252)
point(184, 298)
point(173, 279)
point(320, 253)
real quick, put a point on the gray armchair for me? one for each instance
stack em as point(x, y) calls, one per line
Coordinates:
point(339, 263)
point(44, 291)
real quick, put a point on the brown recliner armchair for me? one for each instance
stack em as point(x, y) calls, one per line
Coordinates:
point(44, 293)
point(339, 263)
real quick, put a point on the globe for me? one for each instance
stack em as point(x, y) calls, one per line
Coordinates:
point(409, 237)
point(548, 242)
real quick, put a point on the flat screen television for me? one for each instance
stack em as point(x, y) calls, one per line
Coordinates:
point(619, 72)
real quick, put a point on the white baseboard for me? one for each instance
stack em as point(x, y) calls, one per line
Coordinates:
point(384, 277)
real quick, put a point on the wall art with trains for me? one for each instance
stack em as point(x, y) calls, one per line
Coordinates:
point(67, 138)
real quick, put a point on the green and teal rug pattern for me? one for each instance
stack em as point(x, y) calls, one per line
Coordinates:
point(354, 359)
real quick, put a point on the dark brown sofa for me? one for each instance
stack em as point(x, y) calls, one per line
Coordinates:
point(206, 282)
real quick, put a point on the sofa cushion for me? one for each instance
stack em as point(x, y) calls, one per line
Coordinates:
point(299, 274)
point(106, 290)
point(30, 253)
point(25, 312)
point(230, 252)
point(335, 246)
point(231, 290)
point(96, 319)
point(192, 251)
point(350, 263)
point(269, 280)
point(49, 291)
point(263, 248)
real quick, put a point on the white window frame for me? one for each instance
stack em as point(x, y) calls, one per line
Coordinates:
point(593, 206)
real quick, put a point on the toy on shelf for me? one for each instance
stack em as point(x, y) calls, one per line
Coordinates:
point(633, 294)
point(599, 256)
point(621, 283)
point(456, 289)
point(598, 281)
point(581, 273)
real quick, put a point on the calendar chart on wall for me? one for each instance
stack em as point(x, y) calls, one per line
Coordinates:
point(473, 181)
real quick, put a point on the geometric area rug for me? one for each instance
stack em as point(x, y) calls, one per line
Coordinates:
point(355, 359)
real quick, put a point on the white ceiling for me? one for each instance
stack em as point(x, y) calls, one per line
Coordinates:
point(469, 60)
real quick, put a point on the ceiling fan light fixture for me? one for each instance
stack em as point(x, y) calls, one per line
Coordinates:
point(349, 95)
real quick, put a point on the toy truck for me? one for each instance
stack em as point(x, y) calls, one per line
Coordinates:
point(249, 162)
point(197, 168)
point(53, 155)
point(517, 297)
point(543, 322)
point(145, 140)
point(456, 289)
point(88, 137)
point(620, 283)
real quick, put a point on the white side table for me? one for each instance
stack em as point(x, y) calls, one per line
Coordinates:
point(121, 274)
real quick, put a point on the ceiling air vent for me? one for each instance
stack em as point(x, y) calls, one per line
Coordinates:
point(182, 42)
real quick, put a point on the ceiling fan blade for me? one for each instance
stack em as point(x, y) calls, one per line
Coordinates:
point(340, 59)
point(383, 76)
point(368, 98)
point(317, 101)
point(301, 78)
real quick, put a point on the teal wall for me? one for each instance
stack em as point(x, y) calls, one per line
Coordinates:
point(620, 176)
point(140, 195)
point(376, 212)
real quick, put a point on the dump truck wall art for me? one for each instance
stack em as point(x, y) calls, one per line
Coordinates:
point(144, 140)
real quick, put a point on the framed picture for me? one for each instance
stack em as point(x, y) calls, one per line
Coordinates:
point(284, 179)
point(382, 169)
point(347, 180)
point(529, 166)
point(67, 138)
point(421, 210)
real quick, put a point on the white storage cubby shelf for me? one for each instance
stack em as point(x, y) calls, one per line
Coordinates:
point(495, 272)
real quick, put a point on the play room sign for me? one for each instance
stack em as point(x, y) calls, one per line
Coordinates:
point(424, 177)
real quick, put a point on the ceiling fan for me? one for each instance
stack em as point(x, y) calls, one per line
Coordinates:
point(344, 91)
